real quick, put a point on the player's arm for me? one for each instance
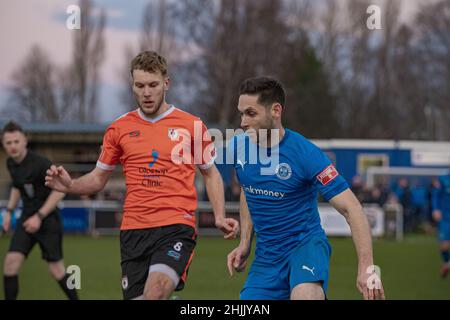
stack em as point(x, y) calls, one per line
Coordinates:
point(50, 204)
point(33, 223)
point(237, 259)
point(14, 197)
point(349, 206)
point(246, 223)
point(59, 179)
point(215, 191)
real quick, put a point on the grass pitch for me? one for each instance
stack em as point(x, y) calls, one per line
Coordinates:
point(409, 270)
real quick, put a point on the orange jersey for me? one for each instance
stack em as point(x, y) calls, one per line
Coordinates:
point(159, 157)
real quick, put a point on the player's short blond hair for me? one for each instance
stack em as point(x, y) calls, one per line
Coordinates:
point(149, 61)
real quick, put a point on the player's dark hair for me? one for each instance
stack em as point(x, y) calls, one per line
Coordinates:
point(11, 126)
point(269, 90)
point(149, 61)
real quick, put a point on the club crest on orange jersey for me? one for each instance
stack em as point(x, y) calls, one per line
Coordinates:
point(135, 133)
point(173, 134)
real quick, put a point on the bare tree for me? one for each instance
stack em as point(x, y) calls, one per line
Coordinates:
point(432, 25)
point(33, 89)
point(43, 91)
point(126, 96)
point(388, 83)
point(235, 44)
point(158, 33)
point(406, 93)
point(329, 42)
point(392, 83)
point(88, 55)
point(383, 111)
point(310, 103)
point(158, 27)
point(360, 66)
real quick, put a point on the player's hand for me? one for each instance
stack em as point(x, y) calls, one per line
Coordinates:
point(6, 222)
point(58, 179)
point(32, 224)
point(369, 284)
point(437, 215)
point(229, 226)
point(237, 259)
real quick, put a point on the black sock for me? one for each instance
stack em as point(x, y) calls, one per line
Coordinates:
point(11, 285)
point(70, 293)
point(445, 256)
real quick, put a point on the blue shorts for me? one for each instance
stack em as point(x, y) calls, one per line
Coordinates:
point(274, 280)
point(444, 230)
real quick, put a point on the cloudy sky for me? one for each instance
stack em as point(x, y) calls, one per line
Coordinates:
point(27, 22)
point(24, 23)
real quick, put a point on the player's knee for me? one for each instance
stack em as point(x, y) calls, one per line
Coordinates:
point(156, 292)
point(159, 288)
point(12, 264)
point(308, 291)
point(56, 269)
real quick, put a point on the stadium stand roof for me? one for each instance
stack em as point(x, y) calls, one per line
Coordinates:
point(64, 127)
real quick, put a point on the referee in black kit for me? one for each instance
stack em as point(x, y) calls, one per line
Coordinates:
point(40, 221)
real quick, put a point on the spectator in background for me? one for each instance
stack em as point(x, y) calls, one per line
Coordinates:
point(384, 192)
point(419, 201)
point(372, 196)
point(404, 196)
point(441, 213)
point(357, 187)
point(432, 188)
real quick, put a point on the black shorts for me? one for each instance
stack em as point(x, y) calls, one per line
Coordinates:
point(171, 246)
point(49, 237)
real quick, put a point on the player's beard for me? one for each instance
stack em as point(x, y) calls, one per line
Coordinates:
point(268, 125)
point(155, 110)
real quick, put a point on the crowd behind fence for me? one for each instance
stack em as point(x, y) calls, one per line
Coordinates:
point(413, 194)
point(405, 202)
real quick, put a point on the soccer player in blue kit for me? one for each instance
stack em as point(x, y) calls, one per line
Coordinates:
point(292, 251)
point(441, 214)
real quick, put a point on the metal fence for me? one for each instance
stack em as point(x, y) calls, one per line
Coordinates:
point(98, 218)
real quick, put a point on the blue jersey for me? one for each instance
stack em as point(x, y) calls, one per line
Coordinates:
point(441, 197)
point(283, 204)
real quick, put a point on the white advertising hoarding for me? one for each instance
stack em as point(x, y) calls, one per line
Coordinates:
point(335, 224)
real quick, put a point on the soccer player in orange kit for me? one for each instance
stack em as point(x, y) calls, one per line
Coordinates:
point(158, 230)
